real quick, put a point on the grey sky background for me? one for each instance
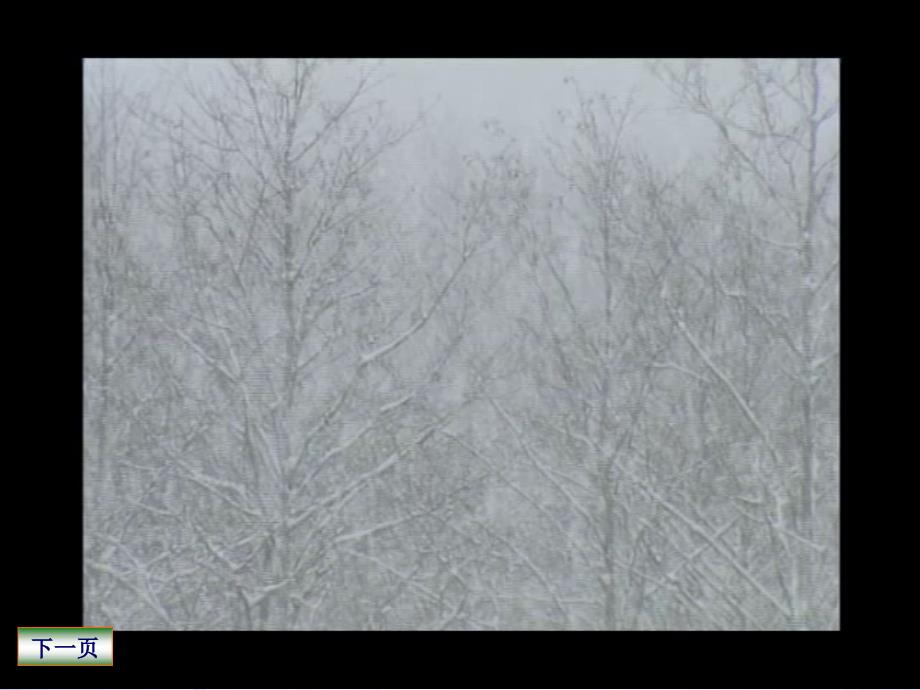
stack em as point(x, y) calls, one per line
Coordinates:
point(523, 94)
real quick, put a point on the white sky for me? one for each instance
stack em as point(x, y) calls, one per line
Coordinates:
point(524, 94)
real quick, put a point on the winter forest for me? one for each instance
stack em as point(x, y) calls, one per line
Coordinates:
point(461, 344)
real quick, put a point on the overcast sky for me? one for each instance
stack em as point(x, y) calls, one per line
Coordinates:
point(524, 94)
